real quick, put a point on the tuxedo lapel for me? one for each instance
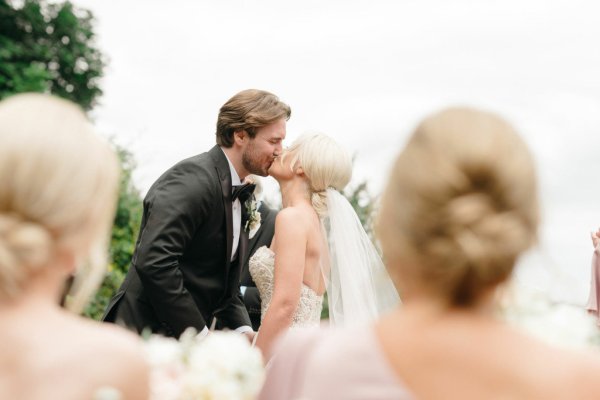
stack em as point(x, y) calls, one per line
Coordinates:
point(242, 251)
point(222, 167)
point(243, 245)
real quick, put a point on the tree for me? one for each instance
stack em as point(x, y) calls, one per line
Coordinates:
point(125, 230)
point(49, 48)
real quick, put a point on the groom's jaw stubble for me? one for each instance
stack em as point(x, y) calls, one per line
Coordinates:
point(253, 164)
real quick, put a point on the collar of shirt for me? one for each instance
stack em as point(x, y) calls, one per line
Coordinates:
point(235, 178)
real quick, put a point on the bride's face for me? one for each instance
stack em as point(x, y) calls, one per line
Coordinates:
point(282, 168)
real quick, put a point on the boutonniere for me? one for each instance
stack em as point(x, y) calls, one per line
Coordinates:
point(253, 221)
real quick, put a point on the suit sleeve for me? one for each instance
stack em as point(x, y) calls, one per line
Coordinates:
point(174, 211)
point(234, 313)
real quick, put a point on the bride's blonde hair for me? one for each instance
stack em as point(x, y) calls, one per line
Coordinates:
point(58, 188)
point(325, 163)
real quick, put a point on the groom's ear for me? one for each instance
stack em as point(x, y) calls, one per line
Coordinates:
point(240, 136)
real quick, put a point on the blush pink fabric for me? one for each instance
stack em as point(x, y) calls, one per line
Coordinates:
point(593, 305)
point(331, 364)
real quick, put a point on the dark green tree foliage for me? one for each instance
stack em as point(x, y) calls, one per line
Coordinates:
point(125, 230)
point(49, 48)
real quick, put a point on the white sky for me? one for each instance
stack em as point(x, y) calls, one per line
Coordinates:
point(365, 72)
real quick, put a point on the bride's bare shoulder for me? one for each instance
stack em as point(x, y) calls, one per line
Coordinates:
point(292, 216)
point(291, 225)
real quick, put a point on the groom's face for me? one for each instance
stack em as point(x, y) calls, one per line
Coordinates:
point(261, 150)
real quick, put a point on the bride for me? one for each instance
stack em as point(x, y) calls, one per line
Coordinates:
point(319, 245)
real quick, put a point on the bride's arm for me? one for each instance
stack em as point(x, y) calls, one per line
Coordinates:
point(290, 251)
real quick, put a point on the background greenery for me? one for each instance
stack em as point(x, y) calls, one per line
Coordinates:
point(124, 233)
point(50, 48)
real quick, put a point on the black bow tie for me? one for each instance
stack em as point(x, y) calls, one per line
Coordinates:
point(242, 192)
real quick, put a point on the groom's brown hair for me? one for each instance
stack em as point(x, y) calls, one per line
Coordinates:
point(248, 110)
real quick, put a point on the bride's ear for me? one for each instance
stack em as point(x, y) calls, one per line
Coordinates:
point(300, 171)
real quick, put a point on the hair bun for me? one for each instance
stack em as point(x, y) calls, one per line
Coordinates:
point(481, 228)
point(319, 202)
point(468, 209)
point(479, 245)
point(24, 246)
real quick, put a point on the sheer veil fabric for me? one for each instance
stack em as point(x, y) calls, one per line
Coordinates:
point(359, 288)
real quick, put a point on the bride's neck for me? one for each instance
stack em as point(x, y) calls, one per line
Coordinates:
point(294, 192)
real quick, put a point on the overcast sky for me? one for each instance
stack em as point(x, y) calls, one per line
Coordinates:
point(365, 72)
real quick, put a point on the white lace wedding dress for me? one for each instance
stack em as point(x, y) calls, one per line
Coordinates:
point(262, 269)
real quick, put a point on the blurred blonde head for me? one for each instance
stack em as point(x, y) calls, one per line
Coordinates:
point(324, 162)
point(460, 206)
point(58, 188)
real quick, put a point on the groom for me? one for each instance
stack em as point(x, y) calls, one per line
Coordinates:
point(186, 267)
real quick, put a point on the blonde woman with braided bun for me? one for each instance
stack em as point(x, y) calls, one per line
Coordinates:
point(460, 207)
point(58, 188)
point(319, 245)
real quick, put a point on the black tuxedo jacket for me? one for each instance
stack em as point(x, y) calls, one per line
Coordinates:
point(181, 275)
point(263, 237)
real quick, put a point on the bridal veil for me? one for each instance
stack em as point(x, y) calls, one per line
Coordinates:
point(359, 288)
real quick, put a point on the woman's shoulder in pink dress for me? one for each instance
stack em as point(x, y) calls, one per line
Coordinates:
point(332, 363)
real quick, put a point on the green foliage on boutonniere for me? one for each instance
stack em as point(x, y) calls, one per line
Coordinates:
point(253, 222)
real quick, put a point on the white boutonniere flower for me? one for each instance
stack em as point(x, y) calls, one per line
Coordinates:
point(253, 222)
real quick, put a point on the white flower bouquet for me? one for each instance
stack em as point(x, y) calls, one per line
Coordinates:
point(221, 366)
point(557, 323)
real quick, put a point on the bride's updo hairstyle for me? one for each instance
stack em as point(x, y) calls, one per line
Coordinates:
point(58, 187)
point(326, 165)
point(460, 206)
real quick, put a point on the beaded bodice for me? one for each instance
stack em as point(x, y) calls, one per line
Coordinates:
point(262, 269)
